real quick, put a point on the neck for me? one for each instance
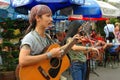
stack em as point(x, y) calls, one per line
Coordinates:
point(40, 31)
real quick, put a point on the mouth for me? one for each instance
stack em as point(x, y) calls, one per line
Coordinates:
point(51, 24)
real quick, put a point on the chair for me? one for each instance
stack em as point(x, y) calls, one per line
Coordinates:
point(111, 55)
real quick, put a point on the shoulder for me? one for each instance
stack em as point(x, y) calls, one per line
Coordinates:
point(29, 36)
point(111, 25)
point(105, 26)
point(28, 39)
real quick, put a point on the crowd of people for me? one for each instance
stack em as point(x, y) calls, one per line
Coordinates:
point(45, 60)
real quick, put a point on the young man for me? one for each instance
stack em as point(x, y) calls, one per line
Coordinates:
point(33, 44)
point(108, 28)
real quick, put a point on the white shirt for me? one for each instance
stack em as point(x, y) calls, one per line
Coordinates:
point(108, 28)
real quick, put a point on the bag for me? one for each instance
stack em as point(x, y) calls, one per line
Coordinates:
point(111, 35)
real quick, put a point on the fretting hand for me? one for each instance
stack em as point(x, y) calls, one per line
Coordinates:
point(96, 51)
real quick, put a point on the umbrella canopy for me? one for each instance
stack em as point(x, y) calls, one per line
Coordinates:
point(6, 11)
point(108, 10)
point(89, 9)
point(53, 4)
point(10, 13)
point(4, 4)
point(116, 3)
point(96, 9)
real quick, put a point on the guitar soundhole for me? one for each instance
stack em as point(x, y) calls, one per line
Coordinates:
point(54, 62)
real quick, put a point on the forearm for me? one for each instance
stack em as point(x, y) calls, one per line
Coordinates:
point(81, 48)
point(26, 59)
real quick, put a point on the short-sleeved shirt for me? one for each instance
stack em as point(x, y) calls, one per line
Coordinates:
point(108, 28)
point(36, 42)
point(77, 55)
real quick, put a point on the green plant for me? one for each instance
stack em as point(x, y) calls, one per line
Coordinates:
point(9, 57)
point(9, 49)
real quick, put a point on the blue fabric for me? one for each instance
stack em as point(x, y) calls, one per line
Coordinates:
point(51, 1)
point(89, 9)
point(53, 4)
point(78, 70)
point(112, 49)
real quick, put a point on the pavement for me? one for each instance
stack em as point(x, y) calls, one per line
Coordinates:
point(103, 73)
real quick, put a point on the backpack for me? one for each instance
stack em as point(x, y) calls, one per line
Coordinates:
point(110, 35)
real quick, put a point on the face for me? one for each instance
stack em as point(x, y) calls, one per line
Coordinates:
point(45, 20)
point(117, 28)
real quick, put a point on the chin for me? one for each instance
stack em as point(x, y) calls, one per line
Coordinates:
point(50, 25)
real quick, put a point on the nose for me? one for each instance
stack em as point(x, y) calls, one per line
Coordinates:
point(51, 19)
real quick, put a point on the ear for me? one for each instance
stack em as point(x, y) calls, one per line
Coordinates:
point(37, 18)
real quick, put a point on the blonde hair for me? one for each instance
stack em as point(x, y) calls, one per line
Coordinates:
point(117, 24)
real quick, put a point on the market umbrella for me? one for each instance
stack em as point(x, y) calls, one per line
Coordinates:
point(116, 3)
point(108, 10)
point(6, 11)
point(96, 9)
point(53, 4)
point(4, 4)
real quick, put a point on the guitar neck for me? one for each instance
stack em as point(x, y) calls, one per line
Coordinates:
point(67, 46)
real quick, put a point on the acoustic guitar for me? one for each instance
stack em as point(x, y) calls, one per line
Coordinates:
point(50, 69)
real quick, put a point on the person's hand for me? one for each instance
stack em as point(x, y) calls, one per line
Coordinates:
point(56, 52)
point(78, 38)
point(96, 51)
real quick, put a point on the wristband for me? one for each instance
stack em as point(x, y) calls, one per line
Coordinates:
point(49, 55)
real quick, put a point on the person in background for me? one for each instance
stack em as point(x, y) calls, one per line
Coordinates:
point(35, 40)
point(77, 52)
point(117, 31)
point(108, 28)
point(60, 36)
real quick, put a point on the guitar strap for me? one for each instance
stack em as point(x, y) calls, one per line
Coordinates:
point(48, 36)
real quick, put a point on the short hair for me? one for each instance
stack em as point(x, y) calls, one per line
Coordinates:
point(107, 21)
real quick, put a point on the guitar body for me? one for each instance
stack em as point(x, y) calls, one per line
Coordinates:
point(33, 72)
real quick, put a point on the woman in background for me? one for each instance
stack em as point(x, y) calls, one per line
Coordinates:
point(76, 53)
point(117, 31)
